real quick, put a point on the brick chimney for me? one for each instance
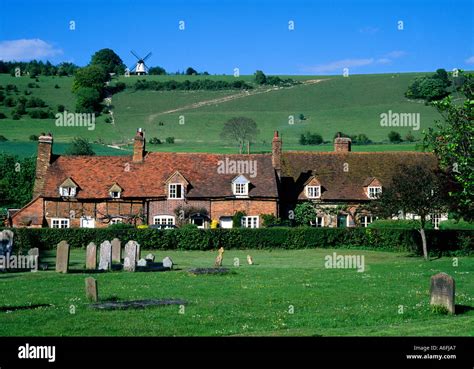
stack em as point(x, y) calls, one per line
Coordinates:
point(139, 146)
point(342, 144)
point(43, 161)
point(276, 153)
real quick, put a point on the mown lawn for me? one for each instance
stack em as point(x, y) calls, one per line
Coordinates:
point(252, 300)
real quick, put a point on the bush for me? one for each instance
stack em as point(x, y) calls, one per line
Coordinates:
point(192, 238)
point(2, 116)
point(311, 139)
point(155, 141)
point(34, 138)
point(3, 138)
point(394, 137)
point(16, 116)
point(170, 140)
point(400, 224)
point(456, 224)
point(61, 108)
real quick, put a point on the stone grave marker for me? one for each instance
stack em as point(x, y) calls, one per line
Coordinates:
point(91, 289)
point(62, 257)
point(442, 291)
point(150, 258)
point(91, 256)
point(249, 260)
point(116, 251)
point(219, 257)
point(105, 254)
point(130, 256)
point(167, 262)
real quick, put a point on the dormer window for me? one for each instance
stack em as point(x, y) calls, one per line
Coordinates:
point(68, 188)
point(115, 192)
point(240, 186)
point(175, 191)
point(374, 191)
point(67, 191)
point(313, 192)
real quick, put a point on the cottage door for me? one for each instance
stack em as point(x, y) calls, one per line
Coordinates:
point(342, 221)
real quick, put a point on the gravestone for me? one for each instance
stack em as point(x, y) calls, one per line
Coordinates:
point(249, 260)
point(91, 289)
point(142, 263)
point(139, 251)
point(130, 256)
point(219, 257)
point(116, 251)
point(33, 254)
point(105, 254)
point(150, 258)
point(91, 256)
point(442, 291)
point(62, 257)
point(167, 262)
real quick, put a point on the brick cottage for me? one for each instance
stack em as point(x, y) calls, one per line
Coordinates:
point(204, 189)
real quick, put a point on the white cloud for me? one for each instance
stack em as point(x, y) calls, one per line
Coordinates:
point(383, 61)
point(470, 60)
point(27, 49)
point(369, 30)
point(338, 65)
point(395, 54)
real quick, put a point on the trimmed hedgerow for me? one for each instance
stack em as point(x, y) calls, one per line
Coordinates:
point(448, 242)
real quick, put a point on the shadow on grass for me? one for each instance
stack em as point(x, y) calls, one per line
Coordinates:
point(462, 309)
point(23, 307)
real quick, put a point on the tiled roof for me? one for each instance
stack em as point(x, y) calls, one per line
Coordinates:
point(96, 174)
point(338, 184)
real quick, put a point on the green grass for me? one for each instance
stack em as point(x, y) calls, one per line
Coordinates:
point(352, 105)
point(253, 300)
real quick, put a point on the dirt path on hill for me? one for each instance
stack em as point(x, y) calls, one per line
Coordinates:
point(228, 98)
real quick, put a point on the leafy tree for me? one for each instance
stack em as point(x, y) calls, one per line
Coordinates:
point(93, 76)
point(16, 181)
point(260, 77)
point(362, 139)
point(452, 140)
point(443, 76)
point(88, 100)
point(109, 60)
point(305, 213)
point(309, 138)
point(80, 146)
point(394, 137)
point(409, 137)
point(155, 141)
point(240, 130)
point(157, 71)
point(169, 140)
point(416, 190)
point(191, 72)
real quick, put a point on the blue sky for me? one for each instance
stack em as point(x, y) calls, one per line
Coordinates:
point(219, 36)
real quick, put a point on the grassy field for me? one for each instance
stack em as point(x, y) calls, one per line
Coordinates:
point(253, 300)
point(352, 105)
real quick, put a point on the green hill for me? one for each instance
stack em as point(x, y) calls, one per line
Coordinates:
point(330, 104)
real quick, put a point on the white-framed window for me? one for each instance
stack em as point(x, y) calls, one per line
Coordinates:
point(435, 219)
point(67, 191)
point(319, 221)
point(313, 192)
point(164, 219)
point(241, 189)
point(374, 191)
point(365, 220)
point(175, 191)
point(115, 194)
point(60, 223)
point(250, 221)
point(87, 222)
point(116, 221)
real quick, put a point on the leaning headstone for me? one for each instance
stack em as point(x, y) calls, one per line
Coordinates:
point(150, 258)
point(139, 251)
point(130, 256)
point(141, 263)
point(442, 291)
point(116, 251)
point(105, 261)
point(91, 256)
point(62, 257)
point(167, 262)
point(91, 289)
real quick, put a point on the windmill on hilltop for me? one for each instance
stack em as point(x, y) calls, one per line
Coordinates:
point(140, 68)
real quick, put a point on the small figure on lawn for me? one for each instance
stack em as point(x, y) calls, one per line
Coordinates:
point(219, 257)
